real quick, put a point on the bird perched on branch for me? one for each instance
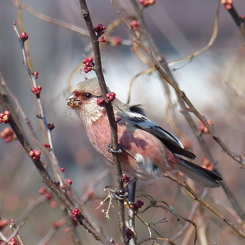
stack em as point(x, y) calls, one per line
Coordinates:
point(148, 151)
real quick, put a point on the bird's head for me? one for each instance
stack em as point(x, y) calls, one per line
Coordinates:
point(84, 100)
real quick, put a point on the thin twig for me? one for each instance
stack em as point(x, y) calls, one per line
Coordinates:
point(60, 193)
point(52, 232)
point(210, 43)
point(236, 90)
point(54, 161)
point(22, 29)
point(190, 217)
point(157, 239)
point(92, 186)
point(206, 205)
point(237, 19)
point(33, 205)
point(51, 20)
point(24, 116)
point(15, 230)
point(71, 225)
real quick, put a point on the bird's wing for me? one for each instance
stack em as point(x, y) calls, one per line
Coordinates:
point(170, 141)
point(137, 109)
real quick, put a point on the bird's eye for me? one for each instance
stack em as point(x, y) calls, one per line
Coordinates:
point(87, 95)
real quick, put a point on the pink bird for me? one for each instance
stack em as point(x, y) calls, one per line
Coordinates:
point(148, 151)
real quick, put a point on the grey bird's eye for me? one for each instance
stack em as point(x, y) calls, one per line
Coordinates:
point(87, 95)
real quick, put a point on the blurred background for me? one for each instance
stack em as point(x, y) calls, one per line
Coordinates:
point(179, 28)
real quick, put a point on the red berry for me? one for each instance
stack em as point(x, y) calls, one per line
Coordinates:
point(135, 25)
point(13, 241)
point(100, 29)
point(115, 41)
point(35, 74)
point(46, 145)
point(42, 190)
point(48, 195)
point(100, 101)
point(4, 117)
point(147, 3)
point(53, 204)
point(36, 90)
point(126, 178)
point(51, 126)
point(139, 203)
point(87, 69)
point(58, 223)
point(35, 154)
point(69, 181)
point(75, 212)
point(3, 223)
point(23, 36)
point(8, 135)
point(111, 96)
point(102, 39)
point(129, 234)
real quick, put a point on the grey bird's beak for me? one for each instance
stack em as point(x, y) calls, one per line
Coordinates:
point(73, 101)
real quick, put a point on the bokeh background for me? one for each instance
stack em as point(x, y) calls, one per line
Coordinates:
point(179, 28)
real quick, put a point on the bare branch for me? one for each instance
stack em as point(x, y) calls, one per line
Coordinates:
point(111, 117)
point(51, 20)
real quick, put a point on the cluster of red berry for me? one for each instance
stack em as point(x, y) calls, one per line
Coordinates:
point(35, 154)
point(100, 29)
point(75, 212)
point(110, 97)
point(36, 90)
point(88, 64)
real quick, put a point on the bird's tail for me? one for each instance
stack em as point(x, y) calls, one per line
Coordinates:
point(198, 174)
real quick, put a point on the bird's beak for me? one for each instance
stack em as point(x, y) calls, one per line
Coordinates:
point(73, 101)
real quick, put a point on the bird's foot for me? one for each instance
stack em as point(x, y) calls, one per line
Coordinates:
point(117, 151)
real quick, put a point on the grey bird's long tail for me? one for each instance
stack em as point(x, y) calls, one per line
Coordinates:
point(202, 176)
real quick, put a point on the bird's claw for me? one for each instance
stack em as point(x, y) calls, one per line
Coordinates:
point(116, 194)
point(109, 148)
point(121, 195)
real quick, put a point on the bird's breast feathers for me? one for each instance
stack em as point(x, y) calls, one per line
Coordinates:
point(141, 151)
